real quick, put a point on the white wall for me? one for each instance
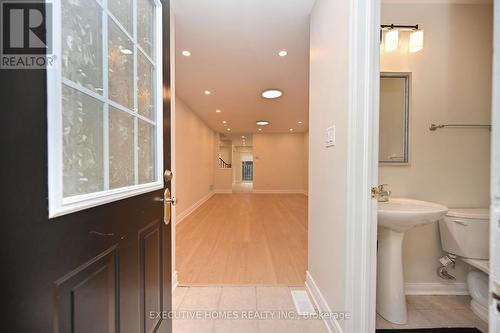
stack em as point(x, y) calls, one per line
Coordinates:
point(450, 84)
point(195, 147)
point(328, 104)
point(279, 162)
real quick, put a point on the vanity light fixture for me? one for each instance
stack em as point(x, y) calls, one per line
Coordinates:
point(272, 93)
point(391, 40)
point(262, 122)
point(416, 42)
point(391, 37)
point(186, 53)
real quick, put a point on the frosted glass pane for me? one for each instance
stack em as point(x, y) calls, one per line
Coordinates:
point(82, 43)
point(122, 10)
point(145, 24)
point(82, 143)
point(121, 148)
point(120, 56)
point(146, 151)
point(145, 86)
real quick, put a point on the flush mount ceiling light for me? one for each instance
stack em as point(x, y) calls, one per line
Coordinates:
point(416, 42)
point(262, 123)
point(186, 53)
point(391, 40)
point(207, 92)
point(282, 53)
point(272, 93)
point(126, 51)
point(217, 111)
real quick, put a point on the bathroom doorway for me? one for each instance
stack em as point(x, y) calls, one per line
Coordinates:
point(437, 159)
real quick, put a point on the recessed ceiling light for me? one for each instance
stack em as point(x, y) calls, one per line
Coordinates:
point(207, 92)
point(224, 122)
point(291, 129)
point(282, 53)
point(299, 122)
point(126, 51)
point(272, 93)
point(218, 111)
point(186, 53)
point(262, 122)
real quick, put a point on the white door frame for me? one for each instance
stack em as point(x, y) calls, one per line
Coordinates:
point(364, 73)
point(494, 314)
point(173, 182)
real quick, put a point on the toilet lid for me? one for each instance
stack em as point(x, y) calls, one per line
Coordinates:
point(470, 213)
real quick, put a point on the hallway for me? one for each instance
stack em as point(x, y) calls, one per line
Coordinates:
point(244, 239)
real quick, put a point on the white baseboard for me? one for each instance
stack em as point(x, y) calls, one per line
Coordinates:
point(223, 191)
point(454, 288)
point(279, 192)
point(181, 216)
point(319, 301)
point(175, 281)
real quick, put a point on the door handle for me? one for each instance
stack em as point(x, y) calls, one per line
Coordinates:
point(168, 202)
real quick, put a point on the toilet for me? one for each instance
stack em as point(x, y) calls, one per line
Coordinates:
point(465, 233)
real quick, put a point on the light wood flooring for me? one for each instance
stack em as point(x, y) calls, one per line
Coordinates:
point(244, 239)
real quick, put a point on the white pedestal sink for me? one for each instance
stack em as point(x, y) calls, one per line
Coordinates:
point(394, 218)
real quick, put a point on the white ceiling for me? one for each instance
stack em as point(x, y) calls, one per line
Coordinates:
point(234, 46)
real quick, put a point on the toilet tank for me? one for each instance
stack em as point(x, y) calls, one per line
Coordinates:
point(465, 232)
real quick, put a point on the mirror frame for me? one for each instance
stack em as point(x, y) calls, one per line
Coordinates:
point(406, 119)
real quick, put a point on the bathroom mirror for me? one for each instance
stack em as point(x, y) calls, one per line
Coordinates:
point(394, 117)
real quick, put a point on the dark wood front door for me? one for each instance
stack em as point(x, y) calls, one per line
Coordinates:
point(102, 269)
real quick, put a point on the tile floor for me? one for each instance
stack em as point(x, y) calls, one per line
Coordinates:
point(248, 299)
point(437, 311)
point(423, 311)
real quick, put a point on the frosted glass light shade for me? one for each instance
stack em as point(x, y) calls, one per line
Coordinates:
point(391, 40)
point(416, 41)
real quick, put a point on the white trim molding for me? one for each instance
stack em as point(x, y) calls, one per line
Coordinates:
point(223, 191)
point(454, 288)
point(181, 216)
point(321, 305)
point(175, 280)
point(361, 234)
point(279, 192)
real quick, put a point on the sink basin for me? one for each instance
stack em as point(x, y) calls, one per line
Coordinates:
point(394, 218)
point(401, 214)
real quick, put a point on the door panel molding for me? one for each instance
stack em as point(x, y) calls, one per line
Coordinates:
point(151, 275)
point(90, 290)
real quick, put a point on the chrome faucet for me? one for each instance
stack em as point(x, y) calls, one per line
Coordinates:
point(382, 193)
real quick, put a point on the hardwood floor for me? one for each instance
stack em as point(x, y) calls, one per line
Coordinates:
point(244, 239)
